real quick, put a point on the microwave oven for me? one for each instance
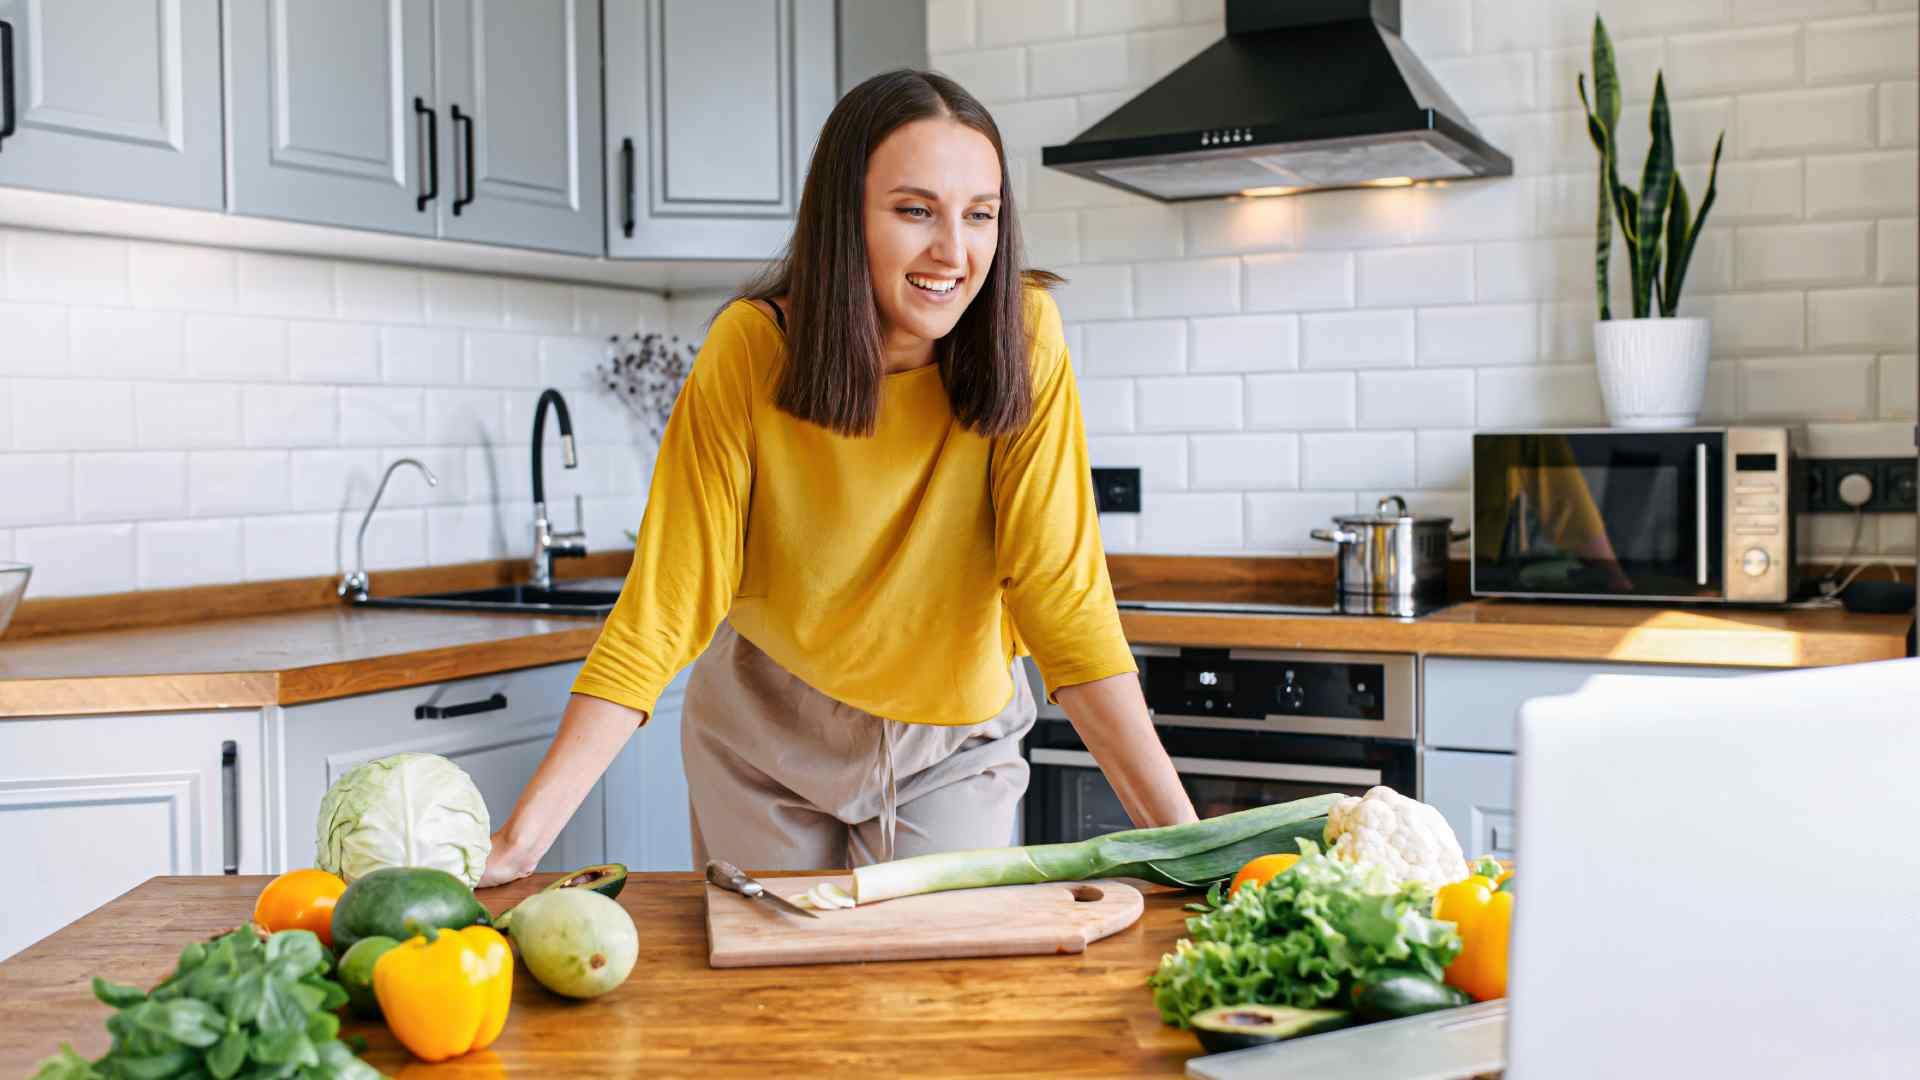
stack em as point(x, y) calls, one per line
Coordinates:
point(1696, 515)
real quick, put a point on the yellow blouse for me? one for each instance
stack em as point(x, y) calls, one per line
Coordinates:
point(899, 573)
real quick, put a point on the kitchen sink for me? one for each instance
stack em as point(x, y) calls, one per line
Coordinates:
point(525, 599)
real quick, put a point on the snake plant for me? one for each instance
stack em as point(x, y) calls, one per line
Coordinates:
point(1654, 221)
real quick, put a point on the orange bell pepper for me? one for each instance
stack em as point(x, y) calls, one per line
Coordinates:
point(1484, 916)
point(447, 992)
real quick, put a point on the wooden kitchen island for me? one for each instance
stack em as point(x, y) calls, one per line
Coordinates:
point(1082, 1015)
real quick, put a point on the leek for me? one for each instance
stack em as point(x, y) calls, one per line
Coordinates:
point(1194, 855)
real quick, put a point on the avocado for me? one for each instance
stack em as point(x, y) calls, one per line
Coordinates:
point(607, 879)
point(1236, 1027)
point(402, 901)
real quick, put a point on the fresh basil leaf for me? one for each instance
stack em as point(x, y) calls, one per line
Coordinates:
point(276, 1047)
point(294, 953)
point(173, 1062)
point(117, 995)
point(322, 1027)
point(338, 1062)
point(66, 1065)
point(309, 997)
point(185, 1020)
point(335, 994)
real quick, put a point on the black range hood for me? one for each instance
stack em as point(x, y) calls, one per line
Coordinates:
point(1301, 95)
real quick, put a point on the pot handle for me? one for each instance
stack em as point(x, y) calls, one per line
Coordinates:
point(1457, 535)
point(1335, 536)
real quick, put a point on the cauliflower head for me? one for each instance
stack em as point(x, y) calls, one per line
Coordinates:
point(1406, 838)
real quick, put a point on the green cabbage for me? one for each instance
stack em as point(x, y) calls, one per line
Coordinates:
point(404, 810)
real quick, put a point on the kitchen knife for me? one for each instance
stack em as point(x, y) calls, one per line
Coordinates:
point(733, 879)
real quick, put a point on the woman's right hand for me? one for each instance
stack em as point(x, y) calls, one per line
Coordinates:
point(591, 734)
point(505, 863)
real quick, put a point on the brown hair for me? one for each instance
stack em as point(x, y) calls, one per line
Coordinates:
point(834, 363)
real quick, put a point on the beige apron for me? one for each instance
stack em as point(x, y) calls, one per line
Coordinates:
point(782, 777)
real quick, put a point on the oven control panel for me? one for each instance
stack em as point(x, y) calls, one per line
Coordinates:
point(1323, 693)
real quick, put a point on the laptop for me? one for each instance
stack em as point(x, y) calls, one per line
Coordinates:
point(1717, 878)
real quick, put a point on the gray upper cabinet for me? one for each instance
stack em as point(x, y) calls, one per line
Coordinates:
point(519, 95)
point(712, 111)
point(115, 98)
point(321, 116)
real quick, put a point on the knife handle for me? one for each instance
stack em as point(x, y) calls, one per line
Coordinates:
point(729, 877)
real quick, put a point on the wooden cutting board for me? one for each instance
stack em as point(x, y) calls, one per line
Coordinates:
point(1008, 920)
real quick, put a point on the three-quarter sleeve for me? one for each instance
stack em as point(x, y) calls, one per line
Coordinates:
point(687, 561)
point(1047, 548)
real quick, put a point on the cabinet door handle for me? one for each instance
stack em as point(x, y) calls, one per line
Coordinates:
point(442, 712)
point(230, 803)
point(430, 183)
point(6, 79)
point(466, 149)
point(626, 188)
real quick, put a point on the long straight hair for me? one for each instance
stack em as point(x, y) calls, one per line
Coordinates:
point(834, 360)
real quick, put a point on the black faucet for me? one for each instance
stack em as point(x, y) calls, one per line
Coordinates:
point(547, 544)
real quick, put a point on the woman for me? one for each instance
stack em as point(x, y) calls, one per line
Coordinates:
point(871, 498)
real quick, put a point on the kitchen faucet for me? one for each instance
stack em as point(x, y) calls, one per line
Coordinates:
point(353, 587)
point(547, 544)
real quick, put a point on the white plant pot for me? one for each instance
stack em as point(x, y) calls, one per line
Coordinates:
point(1653, 372)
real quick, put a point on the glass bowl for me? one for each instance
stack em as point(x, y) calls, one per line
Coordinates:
point(13, 585)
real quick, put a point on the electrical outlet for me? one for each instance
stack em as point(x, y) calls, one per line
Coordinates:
point(1893, 482)
point(1117, 491)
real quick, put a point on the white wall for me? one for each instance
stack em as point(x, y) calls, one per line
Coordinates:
point(176, 415)
point(1270, 362)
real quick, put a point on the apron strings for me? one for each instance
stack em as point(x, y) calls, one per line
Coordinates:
point(889, 809)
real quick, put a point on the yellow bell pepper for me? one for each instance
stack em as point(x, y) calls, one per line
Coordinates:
point(447, 992)
point(1483, 915)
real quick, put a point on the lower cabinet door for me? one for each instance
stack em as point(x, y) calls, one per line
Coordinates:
point(648, 825)
point(1474, 792)
point(91, 806)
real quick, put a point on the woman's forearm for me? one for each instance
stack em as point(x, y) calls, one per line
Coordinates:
point(1111, 716)
point(591, 734)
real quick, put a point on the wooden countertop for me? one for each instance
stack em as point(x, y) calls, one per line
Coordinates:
point(1087, 1014)
point(318, 653)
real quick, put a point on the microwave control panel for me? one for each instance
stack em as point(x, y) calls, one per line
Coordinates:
point(1759, 535)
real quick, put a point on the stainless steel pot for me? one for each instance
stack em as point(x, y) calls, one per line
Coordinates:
point(1392, 553)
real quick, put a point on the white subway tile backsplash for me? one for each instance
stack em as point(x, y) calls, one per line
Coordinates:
point(471, 533)
point(129, 487)
point(1899, 247)
point(1095, 292)
point(1753, 323)
point(616, 311)
point(419, 356)
point(1050, 237)
point(1861, 50)
point(1635, 59)
point(284, 285)
point(503, 360)
point(1168, 49)
point(473, 300)
point(1862, 185)
point(1640, 16)
point(378, 293)
point(1899, 113)
point(1806, 121)
point(1899, 385)
point(1106, 405)
point(125, 343)
point(178, 554)
point(1733, 61)
point(1187, 287)
point(181, 278)
point(1859, 440)
point(1514, 270)
point(236, 482)
point(1029, 125)
point(1013, 22)
point(1808, 388)
point(60, 269)
point(39, 489)
point(1751, 192)
point(1835, 254)
point(186, 415)
point(568, 363)
point(296, 546)
point(340, 480)
point(78, 560)
point(1470, 211)
point(1190, 403)
point(1304, 281)
point(992, 75)
point(1119, 532)
point(1246, 462)
point(465, 417)
point(1161, 459)
point(1245, 343)
point(1285, 522)
point(1407, 399)
point(1157, 347)
point(1438, 27)
point(1114, 16)
point(236, 347)
point(384, 416)
point(1119, 233)
point(1408, 277)
point(1357, 459)
point(950, 26)
point(291, 415)
point(1353, 219)
point(1488, 82)
point(1758, 11)
point(1538, 396)
point(1445, 459)
point(36, 340)
point(1227, 226)
point(1083, 65)
point(1301, 402)
point(1862, 318)
point(68, 414)
point(333, 352)
point(1187, 522)
point(1357, 339)
point(537, 305)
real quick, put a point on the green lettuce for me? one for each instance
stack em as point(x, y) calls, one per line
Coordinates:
point(1301, 939)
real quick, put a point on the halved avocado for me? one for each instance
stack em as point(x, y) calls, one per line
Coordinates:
point(607, 879)
point(1236, 1027)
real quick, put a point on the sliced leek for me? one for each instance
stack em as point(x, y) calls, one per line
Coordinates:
point(1193, 855)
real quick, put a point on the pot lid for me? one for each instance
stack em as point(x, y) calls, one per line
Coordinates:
point(1392, 510)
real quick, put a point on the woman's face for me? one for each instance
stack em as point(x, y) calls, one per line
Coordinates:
point(933, 208)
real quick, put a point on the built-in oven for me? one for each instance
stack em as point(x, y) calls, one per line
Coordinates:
point(1700, 515)
point(1244, 728)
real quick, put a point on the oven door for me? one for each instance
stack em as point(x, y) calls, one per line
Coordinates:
point(1599, 514)
point(1069, 799)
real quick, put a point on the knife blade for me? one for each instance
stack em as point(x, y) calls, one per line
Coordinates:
point(733, 879)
